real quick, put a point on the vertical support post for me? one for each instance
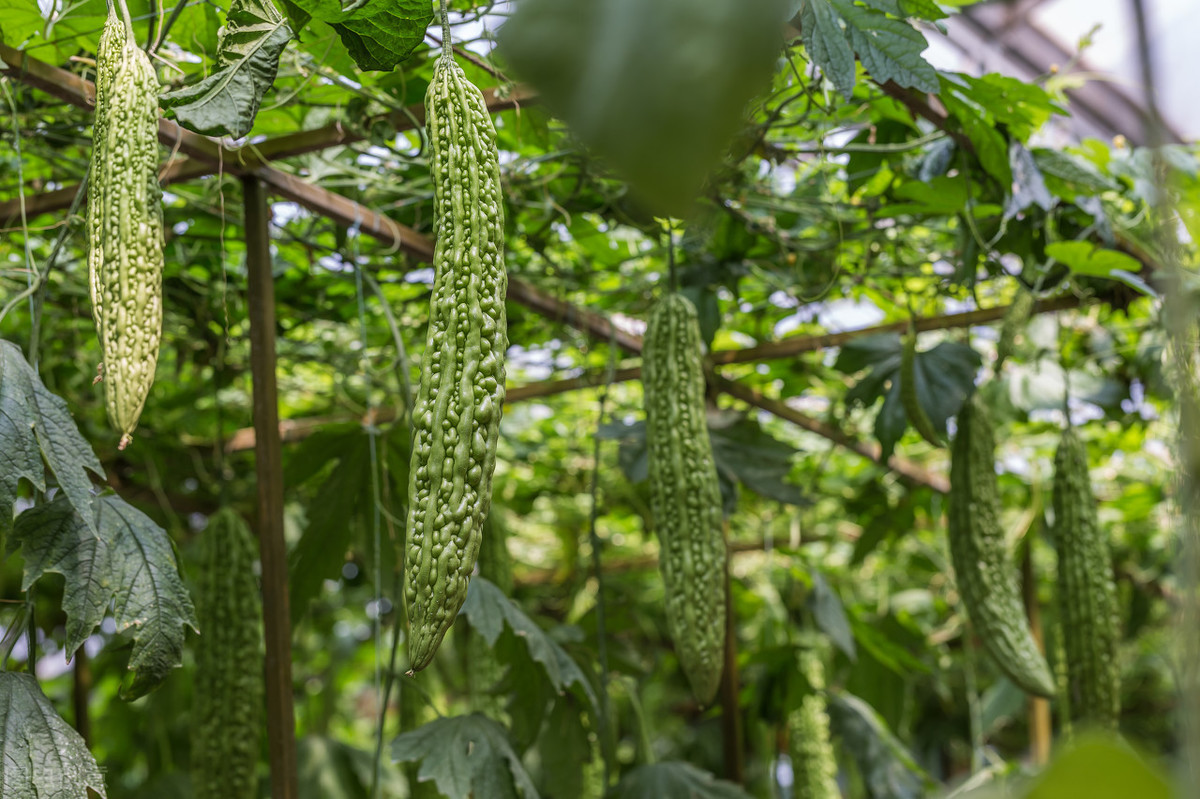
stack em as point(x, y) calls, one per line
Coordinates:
point(731, 712)
point(1040, 727)
point(268, 462)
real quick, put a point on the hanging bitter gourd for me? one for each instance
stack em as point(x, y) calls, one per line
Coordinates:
point(1087, 594)
point(125, 238)
point(985, 578)
point(456, 418)
point(685, 495)
point(229, 663)
point(813, 766)
point(1015, 320)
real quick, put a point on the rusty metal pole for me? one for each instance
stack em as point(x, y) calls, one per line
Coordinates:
point(268, 462)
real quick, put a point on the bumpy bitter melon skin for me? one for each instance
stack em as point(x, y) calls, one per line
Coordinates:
point(1015, 321)
point(456, 418)
point(228, 709)
point(685, 495)
point(125, 253)
point(813, 765)
point(985, 578)
point(1087, 593)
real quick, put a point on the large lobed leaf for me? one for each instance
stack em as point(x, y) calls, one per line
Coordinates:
point(658, 89)
point(945, 377)
point(129, 561)
point(465, 756)
point(488, 611)
point(835, 31)
point(226, 102)
point(40, 754)
point(33, 420)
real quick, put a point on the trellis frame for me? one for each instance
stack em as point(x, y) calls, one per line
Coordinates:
point(202, 156)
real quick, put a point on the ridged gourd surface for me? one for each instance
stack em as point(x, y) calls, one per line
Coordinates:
point(984, 574)
point(125, 252)
point(456, 418)
point(229, 663)
point(1087, 593)
point(685, 495)
point(814, 768)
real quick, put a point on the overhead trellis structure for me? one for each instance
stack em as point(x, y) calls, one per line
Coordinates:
point(195, 156)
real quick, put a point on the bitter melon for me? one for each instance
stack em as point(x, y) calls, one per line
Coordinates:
point(229, 663)
point(125, 237)
point(456, 417)
point(985, 578)
point(1087, 593)
point(1015, 320)
point(813, 766)
point(685, 495)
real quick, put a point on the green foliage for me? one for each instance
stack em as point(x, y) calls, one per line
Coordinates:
point(983, 570)
point(942, 379)
point(40, 754)
point(909, 395)
point(229, 662)
point(887, 767)
point(488, 611)
point(456, 418)
point(656, 89)
point(685, 496)
point(129, 562)
point(35, 425)
point(225, 102)
point(378, 35)
point(465, 756)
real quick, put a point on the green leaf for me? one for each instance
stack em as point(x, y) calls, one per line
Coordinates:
point(674, 780)
point(40, 754)
point(887, 768)
point(658, 89)
point(889, 49)
point(747, 453)
point(129, 562)
point(1085, 258)
point(488, 610)
point(1100, 768)
point(565, 750)
point(826, 44)
point(32, 420)
point(379, 34)
point(945, 377)
point(226, 102)
point(341, 507)
point(1028, 187)
point(830, 616)
point(465, 756)
point(1072, 169)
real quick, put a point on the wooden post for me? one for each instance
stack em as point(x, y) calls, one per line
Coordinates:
point(1040, 731)
point(268, 462)
point(731, 712)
